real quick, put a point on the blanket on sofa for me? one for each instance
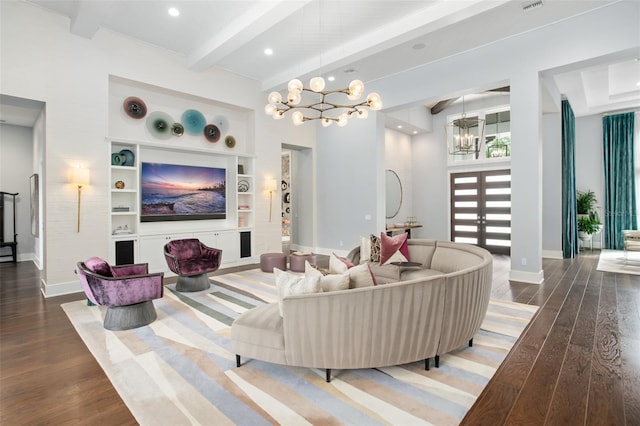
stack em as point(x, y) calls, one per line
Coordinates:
point(180, 368)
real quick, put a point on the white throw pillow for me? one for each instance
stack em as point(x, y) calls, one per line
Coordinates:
point(365, 249)
point(293, 284)
point(331, 282)
point(360, 276)
point(338, 265)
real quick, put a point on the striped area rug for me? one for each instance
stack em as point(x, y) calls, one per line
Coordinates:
point(180, 370)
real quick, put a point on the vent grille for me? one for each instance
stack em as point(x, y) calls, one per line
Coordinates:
point(530, 5)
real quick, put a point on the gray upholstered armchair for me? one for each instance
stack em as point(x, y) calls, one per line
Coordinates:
point(191, 261)
point(126, 290)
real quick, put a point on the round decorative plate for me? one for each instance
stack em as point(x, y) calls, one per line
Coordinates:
point(193, 121)
point(159, 124)
point(135, 107)
point(230, 141)
point(177, 129)
point(117, 159)
point(243, 186)
point(222, 123)
point(127, 157)
point(212, 133)
point(287, 198)
point(284, 185)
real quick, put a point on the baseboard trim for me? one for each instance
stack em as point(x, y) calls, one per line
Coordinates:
point(552, 254)
point(60, 289)
point(526, 277)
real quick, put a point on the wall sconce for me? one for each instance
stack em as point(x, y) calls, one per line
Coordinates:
point(270, 185)
point(79, 177)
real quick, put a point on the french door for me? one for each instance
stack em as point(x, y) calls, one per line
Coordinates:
point(481, 209)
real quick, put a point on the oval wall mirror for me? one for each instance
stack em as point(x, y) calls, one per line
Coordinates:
point(393, 194)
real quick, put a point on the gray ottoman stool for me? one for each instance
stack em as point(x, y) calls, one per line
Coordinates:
point(268, 261)
point(296, 261)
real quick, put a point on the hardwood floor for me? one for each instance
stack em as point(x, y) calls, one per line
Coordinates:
point(577, 363)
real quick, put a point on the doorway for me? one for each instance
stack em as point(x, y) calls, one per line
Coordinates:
point(481, 209)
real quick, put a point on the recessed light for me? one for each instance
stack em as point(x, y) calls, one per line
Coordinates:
point(415, 132)
point(268, 51)
point(331, 78)
point(173, 11)
point(399, 126)
point(638, 83)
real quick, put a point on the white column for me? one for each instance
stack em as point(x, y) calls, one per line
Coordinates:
point(526, 178)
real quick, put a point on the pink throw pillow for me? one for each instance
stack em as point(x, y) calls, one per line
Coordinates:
point(99, 266)
point(390, 245)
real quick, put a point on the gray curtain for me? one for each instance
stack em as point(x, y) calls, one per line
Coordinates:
point(569, 214)
point(619, 178)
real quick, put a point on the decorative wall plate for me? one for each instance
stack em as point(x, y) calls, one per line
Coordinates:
point(287, 198)
point(177, 129)
point(159, 124)
point(117, 159)
point(243, 186)
point(193, 121)
point(230, 141)
point(127, 157)
point(222, 123)
point(134, 107)
point(211, 133)
point(284, 185)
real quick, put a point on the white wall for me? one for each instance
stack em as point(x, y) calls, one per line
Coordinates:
point(560, 44)
point(350, 181)
point(397, 157)
point(16, 153)
point(552, 184)
point(590, 163)
point(71, 75)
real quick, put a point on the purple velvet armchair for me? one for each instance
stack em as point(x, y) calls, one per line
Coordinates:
point(191, 261)
point(126, 290)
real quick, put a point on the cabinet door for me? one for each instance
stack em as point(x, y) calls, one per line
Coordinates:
point(151, 251)
point(227, 241)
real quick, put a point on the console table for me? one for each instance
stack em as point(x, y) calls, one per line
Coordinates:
point(407, 229)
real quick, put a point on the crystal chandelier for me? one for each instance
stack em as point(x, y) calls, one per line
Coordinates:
point(324, 104)
point(465, 134)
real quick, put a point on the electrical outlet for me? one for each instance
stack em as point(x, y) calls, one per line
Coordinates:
point(341, 244)
point(523, 261)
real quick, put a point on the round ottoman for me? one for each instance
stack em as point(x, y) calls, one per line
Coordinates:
point(268, 261)
point(296, 261)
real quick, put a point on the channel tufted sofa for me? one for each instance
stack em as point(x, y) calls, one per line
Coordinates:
point(413, 314)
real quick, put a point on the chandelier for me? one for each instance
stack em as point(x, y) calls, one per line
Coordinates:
point(465, 134)
point(323, 104)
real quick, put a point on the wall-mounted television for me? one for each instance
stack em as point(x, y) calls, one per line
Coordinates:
point(179, 192)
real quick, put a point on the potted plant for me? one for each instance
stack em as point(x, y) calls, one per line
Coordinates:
point(586, 228)
point(585, 202)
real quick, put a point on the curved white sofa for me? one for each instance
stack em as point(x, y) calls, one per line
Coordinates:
point(428, 311)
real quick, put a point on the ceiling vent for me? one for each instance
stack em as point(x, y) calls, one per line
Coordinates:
point(530, 5)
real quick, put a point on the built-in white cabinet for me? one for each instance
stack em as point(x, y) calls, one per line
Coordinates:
point(133, 241)
point(227, 241)
point(245, 192)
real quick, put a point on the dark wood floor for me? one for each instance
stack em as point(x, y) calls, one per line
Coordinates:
point(577, 363)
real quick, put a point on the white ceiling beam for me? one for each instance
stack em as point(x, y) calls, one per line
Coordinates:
point(246, 27)
point(428, 20)
point(87, 17)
